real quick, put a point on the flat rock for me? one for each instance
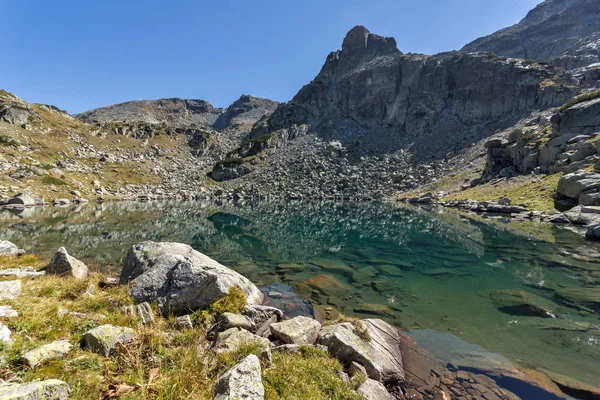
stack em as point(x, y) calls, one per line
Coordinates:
point(380, 355)
point(241, 382)
point(517, 302)
point(325, 284)
point(104, 339)
point(10, 289)
point(5, 334)
point(180, 278)
point(573, 387)
point(21, 272)
point(8, 312)
point(51, 389)
point(65, 265)
point(373, 390)
point(235, 338)
point(298, 330)
point(232, 320)
point(334, 266)
point(9, 249)
point(50, 351)
point(583, 298)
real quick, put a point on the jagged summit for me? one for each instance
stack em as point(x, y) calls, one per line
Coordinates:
point(563, 32)
point(359, 41)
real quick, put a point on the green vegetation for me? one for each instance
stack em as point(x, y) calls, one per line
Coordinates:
point(50, 180)
point(155, 365)
point(359, 326)
point(234, 302)
point(528, 136)
point(6, 141)
point(581, 99)
point(229, 162)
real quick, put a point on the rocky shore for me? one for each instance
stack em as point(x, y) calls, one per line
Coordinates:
point(174, 309)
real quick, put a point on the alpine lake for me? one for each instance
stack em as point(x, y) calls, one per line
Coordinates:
point(464, 287)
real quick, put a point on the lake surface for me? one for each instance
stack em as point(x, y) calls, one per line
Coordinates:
point(421, 270)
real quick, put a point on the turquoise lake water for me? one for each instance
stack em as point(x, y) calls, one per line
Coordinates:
point(419, 269)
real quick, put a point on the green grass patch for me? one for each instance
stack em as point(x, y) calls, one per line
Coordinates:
point(581, 99)
point(6, 141)
point(50, 180)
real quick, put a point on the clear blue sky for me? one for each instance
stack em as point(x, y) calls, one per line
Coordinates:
point(82, 54)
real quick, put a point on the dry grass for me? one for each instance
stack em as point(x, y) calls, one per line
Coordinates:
point(176, 365)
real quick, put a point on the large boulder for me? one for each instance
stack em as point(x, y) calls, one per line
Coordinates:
point(180, 278)
point(104, 339)
point(64, 264)
point(375, 345)
point(242, 381)
point(580, 185)
point(51, 389)
point(298, 330)
point(10, 249)
point(25, 199)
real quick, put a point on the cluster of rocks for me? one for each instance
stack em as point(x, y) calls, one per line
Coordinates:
point(175, 276)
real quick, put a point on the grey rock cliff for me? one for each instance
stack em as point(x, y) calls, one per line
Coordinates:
point(564, 32)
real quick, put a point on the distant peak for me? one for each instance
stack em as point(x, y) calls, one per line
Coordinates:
point(359, 41)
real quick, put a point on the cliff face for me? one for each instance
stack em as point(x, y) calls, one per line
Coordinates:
point(563, 32)
point(373, 97)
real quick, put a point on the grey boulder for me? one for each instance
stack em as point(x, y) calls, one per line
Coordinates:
point(373, 390)
point(51, 389)
point(25, 199)
point(379, 353)
point(64, 264)
point(236, 338)
point(180, 278)
point(10, 249)
point(104, 339)
point(242, 381)
point(298, 330)
point(232, 320)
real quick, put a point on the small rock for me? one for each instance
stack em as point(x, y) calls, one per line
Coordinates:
point(298, 330)
point(5, 334)
point(235, 338)
point(51, 389)
point(143, 312)
point(21, 272)
point(64, 264)
point(242, 381)
point(231, 320)
point(10, 289)
point(374, 390)
point(46, 352)
point(184, 322)
point(104, 339)
point(8, 312)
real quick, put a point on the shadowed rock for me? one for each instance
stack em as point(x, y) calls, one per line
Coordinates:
point(64, 264)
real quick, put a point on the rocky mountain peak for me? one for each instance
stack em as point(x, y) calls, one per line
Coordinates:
point(359, 42)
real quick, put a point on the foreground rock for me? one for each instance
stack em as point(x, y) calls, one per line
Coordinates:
point(8, 312)
point(180, 278)
point(46, 352)
point(242, 381)
point(22, 272)
point(10, 249)
point(235, 338)
point(299, 330)
point(5, 334)
point(374, 346)
point(373, 390)
point(64, 264)
point(51, 389)
point(104, 339)
point(10, 289)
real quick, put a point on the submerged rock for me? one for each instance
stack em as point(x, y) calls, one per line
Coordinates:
point(46, 352)
point(241, 382)
point(375, 346)
point(584, 298)
point(517, 302)
point(64, 264)
point(180, 278)
point(298, 330)
point(51, 389)
point(105, 338)
point(573, 387)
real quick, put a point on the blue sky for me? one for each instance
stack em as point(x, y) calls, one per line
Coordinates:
point(79, 54)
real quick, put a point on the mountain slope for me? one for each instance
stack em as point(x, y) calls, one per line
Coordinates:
point(563, 32)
